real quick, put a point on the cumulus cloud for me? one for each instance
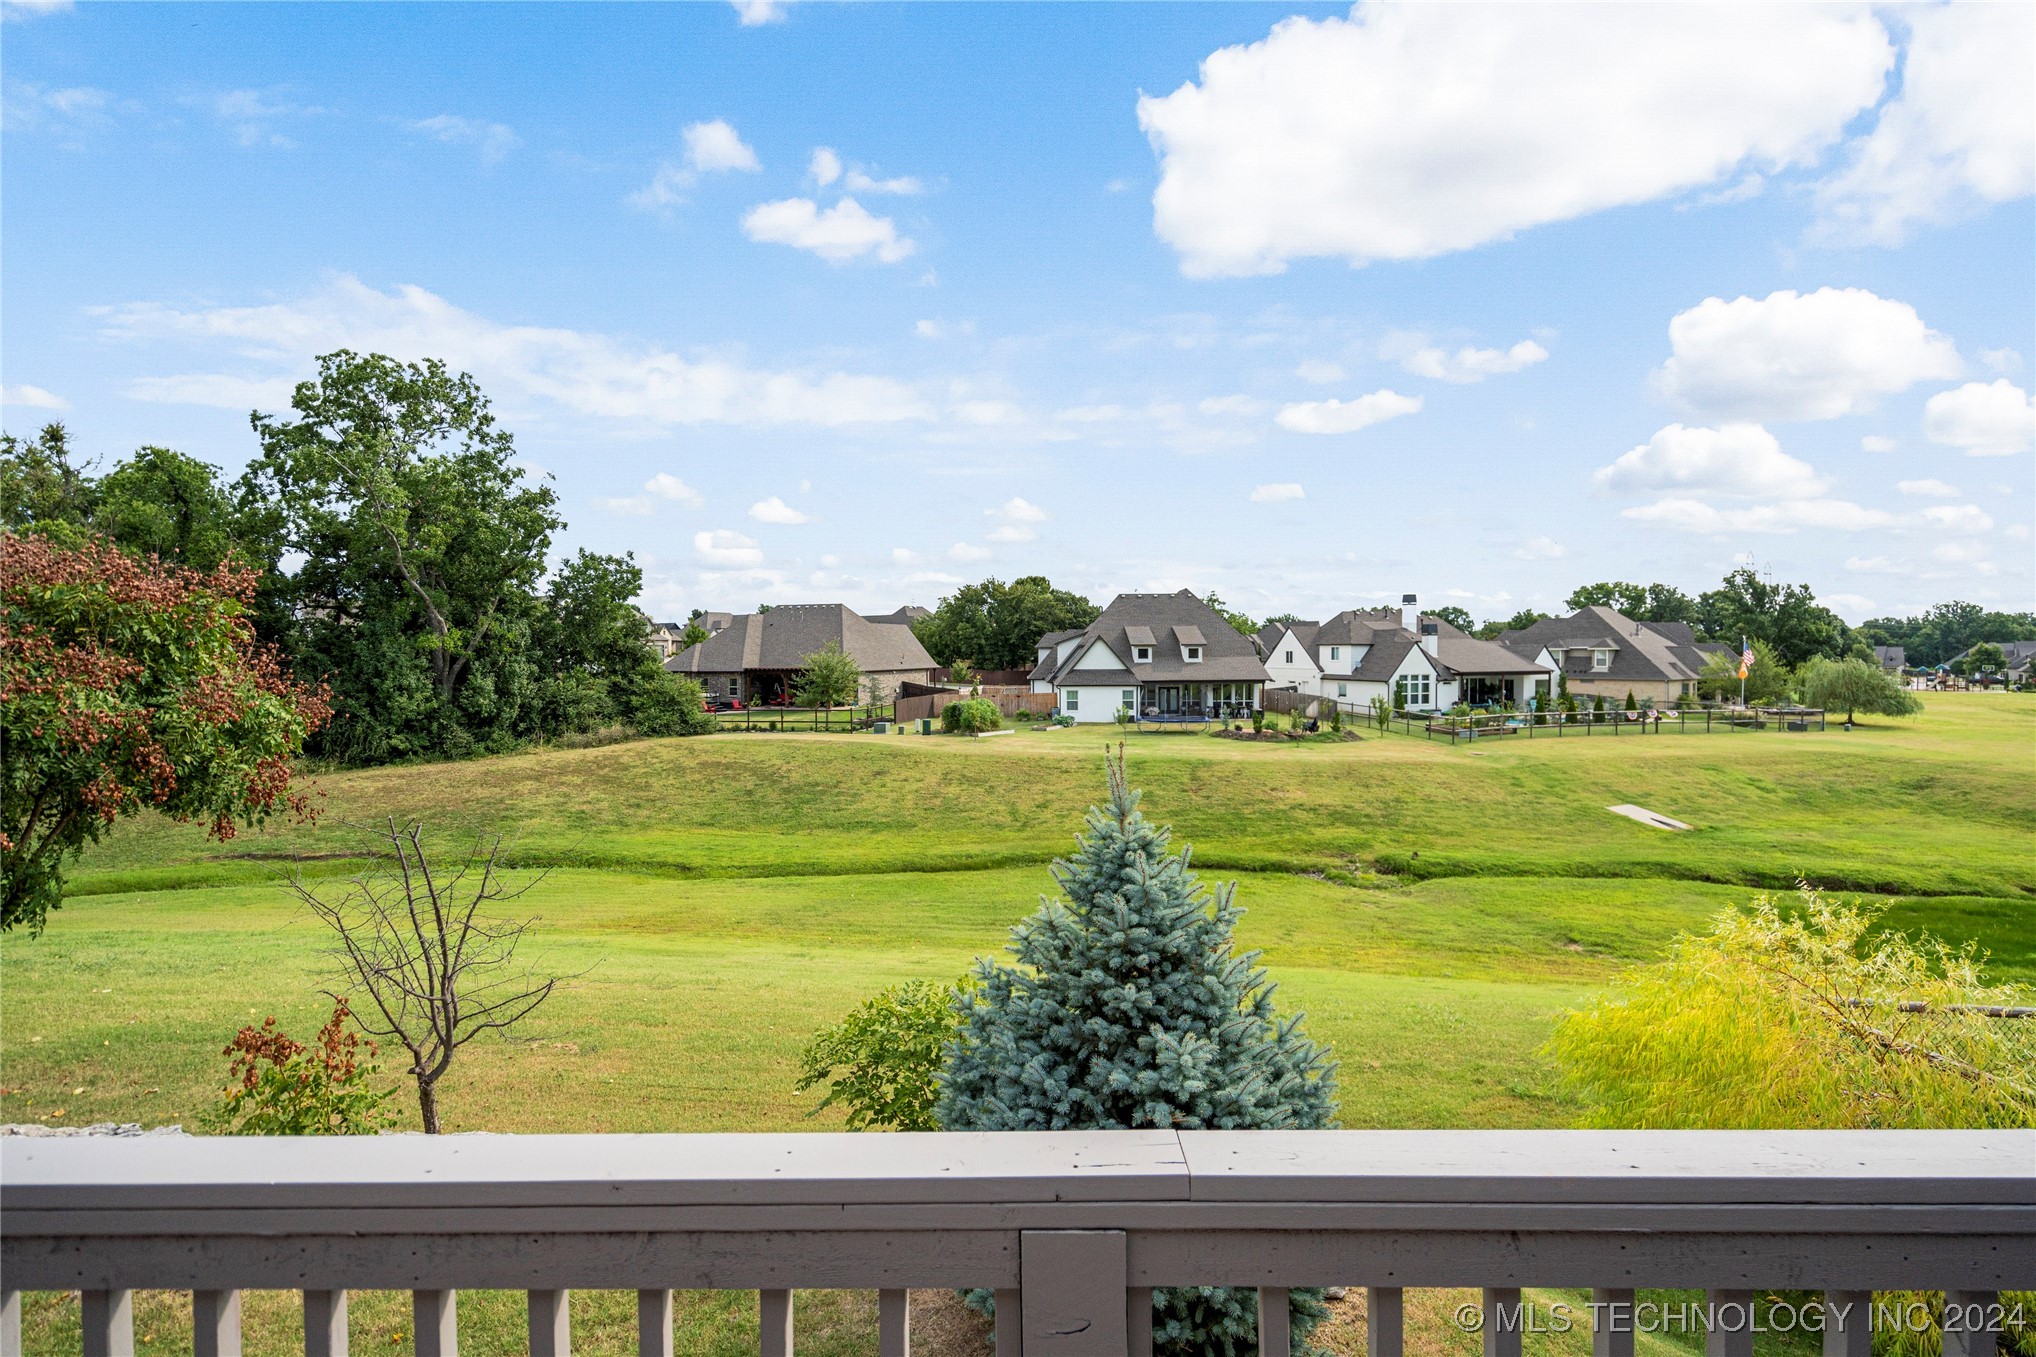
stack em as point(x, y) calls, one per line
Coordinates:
point(1470, 364)
point(1959, 137)
point(1930, 489)
point(825, 166)
point(1874, 442)
point(1403, 132)
point(775, 510)
point(754, 13)
point(1339, 416)
point(667, 486)
point(720, 546)
point(842, 232)
point(585, 372)
point(1739, 459)
point(1959, 518)
point(1987, 419)
point(1791, 356)
point(856, 181)
point(1277, 491)
point(493, 140)
point(711, 148)
point(1017, 520)
point(1541, 549)
point(33, 397)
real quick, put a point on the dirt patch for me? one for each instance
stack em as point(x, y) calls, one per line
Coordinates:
point(944, 1326)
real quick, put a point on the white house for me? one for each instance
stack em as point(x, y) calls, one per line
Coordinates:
point(1153, 654)
point(1420, 663)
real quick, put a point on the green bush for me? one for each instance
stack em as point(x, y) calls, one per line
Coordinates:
point(283, 1088)
point(670, 705)
point(970, 716)
point(1632, 703)
point(882, 1062)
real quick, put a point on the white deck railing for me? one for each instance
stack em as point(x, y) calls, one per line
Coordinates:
point(1072, 1230)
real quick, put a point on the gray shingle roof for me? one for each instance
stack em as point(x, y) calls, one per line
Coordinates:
point(1649, 652)
point(783, 637)
point(1227, 655)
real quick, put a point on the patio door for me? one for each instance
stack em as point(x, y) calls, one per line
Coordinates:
point(1169, 700)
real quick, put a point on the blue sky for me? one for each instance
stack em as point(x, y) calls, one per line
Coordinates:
point(1311, 306)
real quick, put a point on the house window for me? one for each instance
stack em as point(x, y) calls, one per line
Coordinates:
point(1413, 690)
point(1336, 652)
point(1192, 654)
point(1130, 702)
point(1141, 654)
point(1290, 657)
point(1601, 660)
point(1343, 690)
point(1071, 700)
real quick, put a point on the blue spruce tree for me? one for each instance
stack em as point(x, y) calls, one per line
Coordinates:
point(1129, 1007)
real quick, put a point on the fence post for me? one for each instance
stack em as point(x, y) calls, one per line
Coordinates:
point(1072, 1286)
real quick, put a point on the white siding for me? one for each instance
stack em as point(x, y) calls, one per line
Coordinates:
point(1100, 656)
point(1301, 672)
point(1093, 705)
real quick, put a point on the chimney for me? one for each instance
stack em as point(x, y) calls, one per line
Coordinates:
point(1431, 639)
point(1410, 614)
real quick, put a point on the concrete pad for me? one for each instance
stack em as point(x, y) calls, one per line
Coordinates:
point(1647, 817)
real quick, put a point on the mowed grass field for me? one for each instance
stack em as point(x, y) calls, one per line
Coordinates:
point(721, 899)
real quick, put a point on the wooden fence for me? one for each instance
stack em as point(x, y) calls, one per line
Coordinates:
point(1010, 699)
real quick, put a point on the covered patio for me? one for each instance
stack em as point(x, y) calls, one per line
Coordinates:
point(1207, 701)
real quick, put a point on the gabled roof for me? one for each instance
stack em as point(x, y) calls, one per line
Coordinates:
point(783, 637)
point(1645, 652)
point(1272, 633)
point(1227, 655)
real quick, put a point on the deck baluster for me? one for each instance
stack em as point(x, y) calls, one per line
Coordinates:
point(894, 1323)
point(1611, 1322)
point(1275, 1322)
point(1010, 1330)
point(1848, 1324)
point(325, 1324)
point(109, 1323)
point(551, 1325)
point(1138, 1319)
point(1728, 1331)
point(215, 1323)
point(435, 1316)
point(1385, 1321)
point(1502, 1321)
point(654, 1324)
point(10, 1324)
point(1968, 1323)
point(775, 1330)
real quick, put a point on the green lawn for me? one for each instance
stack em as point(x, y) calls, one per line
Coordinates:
point(1432, 908)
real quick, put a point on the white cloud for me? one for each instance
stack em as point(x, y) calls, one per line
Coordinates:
point(71, 112)
point(634, 506)
point(962, 551)
point(1232, 405)
point(943, 329)
point(250, 115)
point(1541, 549)
point(825, 166)
point(1320, 371)
point(1337, 416)
point(987, 413)
point(34, 397)
point(1017, 520)
point(1472, 365)
point(904, 556)
point(1738, 459)
point(712, 147)
point(29, 9)
point(775, 510)
point(1931, 489)
point(1692, 515)
point(1277, 491)
point(2019, 531)
point(1963, 518)
point(1987, 419)
point(1091, 414)
point(1404, 131)
point(753, 13)
point(1874, 442)
point(1790, 356)
point(667, 486)
point(494, 140)
point(842, 232)
point(904, 185)
point(1959, 137)
point(720, 546)
point(1875, 565)
point(2001, 360)
point(586, 372)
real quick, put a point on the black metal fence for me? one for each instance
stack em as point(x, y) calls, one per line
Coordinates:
point(1581, 725)
point(841, 719)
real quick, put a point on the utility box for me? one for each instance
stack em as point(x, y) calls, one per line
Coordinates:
point(925, 725)
point(881, 728)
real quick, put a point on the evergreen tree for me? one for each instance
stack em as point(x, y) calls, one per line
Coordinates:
point(1129, 1007)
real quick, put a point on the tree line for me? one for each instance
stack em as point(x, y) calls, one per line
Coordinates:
point(402, 561)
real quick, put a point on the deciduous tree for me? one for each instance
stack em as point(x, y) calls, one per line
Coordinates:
point(128, 684)
point(829, 678)
point(997, 626)
point(1854, 686)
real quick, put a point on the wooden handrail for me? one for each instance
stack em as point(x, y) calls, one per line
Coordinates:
point(1072, 1229)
